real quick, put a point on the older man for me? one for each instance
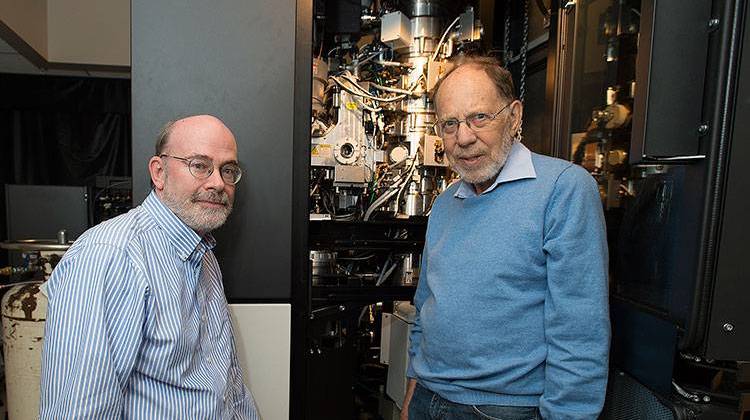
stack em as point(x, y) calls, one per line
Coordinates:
point(512, 315)
point(138, 325)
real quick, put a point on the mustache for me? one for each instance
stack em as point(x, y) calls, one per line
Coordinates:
point(210, 196)
point(460, 153)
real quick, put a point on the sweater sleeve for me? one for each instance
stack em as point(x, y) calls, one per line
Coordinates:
point(415, 337)
point(576, 309)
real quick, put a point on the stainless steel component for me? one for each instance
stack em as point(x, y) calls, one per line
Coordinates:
point(347, 200)
point(469, 28)
point(346, 152)
point(425, 8)
point(728, 327)
point(62, 237)
point(9, 271)
point(398, 326)
point(409, 269)
point(322, 263)
point(344, 141)
point(395, 29)
point(35, 245)
point(425, 27)
point(346, 175)
point(413, 202)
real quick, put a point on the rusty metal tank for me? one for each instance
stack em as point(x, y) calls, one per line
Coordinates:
point(24, 310)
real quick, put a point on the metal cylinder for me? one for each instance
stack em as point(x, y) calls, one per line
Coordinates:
point(24, 310)
point(409, 269)
point(425, 8)
point(323, 263)
point(413, 201)
point(62, 236)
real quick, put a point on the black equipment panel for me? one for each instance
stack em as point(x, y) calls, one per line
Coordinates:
point(670, 79)
point(729, 325)
point(39, 211)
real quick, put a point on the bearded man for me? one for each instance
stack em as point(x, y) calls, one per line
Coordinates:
point(512, 311)
point(138, 325)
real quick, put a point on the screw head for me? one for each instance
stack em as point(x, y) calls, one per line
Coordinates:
point(728, 327)
point(703, 129)
point(713, 23)
point(706, 398)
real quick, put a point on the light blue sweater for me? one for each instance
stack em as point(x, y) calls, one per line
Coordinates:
point(512, 301)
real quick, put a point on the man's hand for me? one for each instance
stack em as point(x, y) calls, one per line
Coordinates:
point(407, 398)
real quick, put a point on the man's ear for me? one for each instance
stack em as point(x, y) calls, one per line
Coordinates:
point(157, 169)
point(516, 115)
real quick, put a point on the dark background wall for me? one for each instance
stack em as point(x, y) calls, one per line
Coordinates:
point(62, 131)
point(232, 59)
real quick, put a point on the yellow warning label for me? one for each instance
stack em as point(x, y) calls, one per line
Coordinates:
point(320, 149)
point(351, 106)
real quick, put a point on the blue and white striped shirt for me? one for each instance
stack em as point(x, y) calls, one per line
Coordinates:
point(138, 326)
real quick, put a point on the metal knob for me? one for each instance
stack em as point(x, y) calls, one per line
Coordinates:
point(62, 237)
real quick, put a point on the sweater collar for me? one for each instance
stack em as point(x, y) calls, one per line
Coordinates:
point(517, 166)
point(183, 238)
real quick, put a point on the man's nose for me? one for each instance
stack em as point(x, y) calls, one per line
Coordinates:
point(465, 135)
point(215, 181)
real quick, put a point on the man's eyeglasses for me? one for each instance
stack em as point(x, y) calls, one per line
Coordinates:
point(475, 122)
point(202, 168)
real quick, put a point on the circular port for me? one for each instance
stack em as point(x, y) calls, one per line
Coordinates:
point(347, 150)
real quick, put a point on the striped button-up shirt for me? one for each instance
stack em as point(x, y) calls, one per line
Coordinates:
point(138, 326)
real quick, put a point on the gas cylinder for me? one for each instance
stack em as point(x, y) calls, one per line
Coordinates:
point(24, 309)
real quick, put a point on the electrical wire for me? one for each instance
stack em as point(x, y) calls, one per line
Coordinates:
point(406, 182)
point(442, 39)
point(410, 91)
point(380, 201)
point(368, 59)
point(353, 87)
point(387, 274)
point(394, 189)
point(358, 258)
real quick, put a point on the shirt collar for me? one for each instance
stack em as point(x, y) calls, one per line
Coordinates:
point(183, 238)
point(517, 166)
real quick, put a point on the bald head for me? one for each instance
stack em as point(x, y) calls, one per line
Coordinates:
point(193, 124)
point(462, 65)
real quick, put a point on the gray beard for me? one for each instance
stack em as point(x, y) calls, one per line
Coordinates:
point(199, 219)
point(490, 170)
